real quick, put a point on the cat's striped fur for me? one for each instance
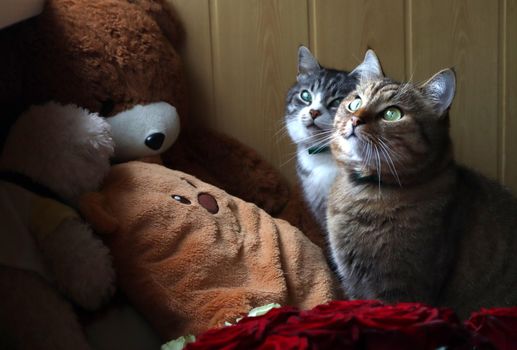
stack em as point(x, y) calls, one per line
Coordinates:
point(309, 124)
point(405, 222)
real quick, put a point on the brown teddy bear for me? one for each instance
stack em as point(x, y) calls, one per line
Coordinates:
point(118, 57)
point(190, 256)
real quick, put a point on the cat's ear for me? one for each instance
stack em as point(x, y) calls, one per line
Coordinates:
point(370, 68)
point(307, 64)
point(440, 90)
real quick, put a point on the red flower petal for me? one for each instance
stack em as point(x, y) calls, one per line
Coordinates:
point(499, 325)
point(352, 325)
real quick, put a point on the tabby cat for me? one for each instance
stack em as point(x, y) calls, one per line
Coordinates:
point(310, 108)
point(405, 222)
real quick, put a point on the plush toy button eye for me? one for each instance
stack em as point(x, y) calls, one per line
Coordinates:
point(180, 199)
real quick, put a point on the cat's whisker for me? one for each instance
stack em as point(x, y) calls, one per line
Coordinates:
point(281, 131)
point(280, 137)
point(326, 124)
point(367, 158)
point(318, 143)
point(366, 163)
point(387, 152)
point(379, 168)
point(391, 165)
point(292, 156)
point(325, 141)
point(315, 136)
point(396, 155)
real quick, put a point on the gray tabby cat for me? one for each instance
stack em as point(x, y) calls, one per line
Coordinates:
point(310, 108)
point(405, 222)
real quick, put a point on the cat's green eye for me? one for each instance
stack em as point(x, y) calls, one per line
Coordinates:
point(392, 114)
point(335, 103)
point(355, 104)
point(306, 96)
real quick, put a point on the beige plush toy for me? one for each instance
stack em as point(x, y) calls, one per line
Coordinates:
point(48, 254)
point(190, 256)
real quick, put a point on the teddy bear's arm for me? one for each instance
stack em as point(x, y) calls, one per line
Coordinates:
point(80, 263)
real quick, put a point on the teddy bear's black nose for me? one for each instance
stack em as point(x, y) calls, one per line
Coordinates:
point(155, 141)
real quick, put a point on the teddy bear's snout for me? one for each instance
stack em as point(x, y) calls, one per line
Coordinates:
point(208, 202)
point(144, 130)
point(155, 141)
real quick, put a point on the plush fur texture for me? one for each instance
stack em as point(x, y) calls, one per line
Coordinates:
point(190, 256)
point(89, 279)
point(66, 149)
point(109, 56)
point(62, 147)
point(406, 223)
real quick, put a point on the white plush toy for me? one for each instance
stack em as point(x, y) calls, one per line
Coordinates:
point(48, 254)
point(52, 155)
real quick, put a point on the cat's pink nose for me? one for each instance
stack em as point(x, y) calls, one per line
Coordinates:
point(314, 113)
point(356, 121)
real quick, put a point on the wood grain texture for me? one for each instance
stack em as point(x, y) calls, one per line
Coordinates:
point(341, 31)
point(196, 52)
point(255, 46)
point(241, 60)
point(463, 34)
point(509, 100)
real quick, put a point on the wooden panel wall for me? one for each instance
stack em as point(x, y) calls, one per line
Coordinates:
point(241, 58)
point(508, 92)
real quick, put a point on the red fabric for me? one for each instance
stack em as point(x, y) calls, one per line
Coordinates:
point(366, 325)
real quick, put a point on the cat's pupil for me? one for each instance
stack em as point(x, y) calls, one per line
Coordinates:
point(306, 96)
point(355, 104)
point(392, 114)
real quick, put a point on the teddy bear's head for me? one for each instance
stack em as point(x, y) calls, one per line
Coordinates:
point(113, 57)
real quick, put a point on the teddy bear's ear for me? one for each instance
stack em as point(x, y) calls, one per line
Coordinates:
point(166, 18)
point(94, 210)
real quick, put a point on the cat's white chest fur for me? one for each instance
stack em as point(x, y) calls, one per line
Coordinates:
point(317, 173)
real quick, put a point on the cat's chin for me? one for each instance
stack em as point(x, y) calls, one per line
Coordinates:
point(350, 148)
point(315, 131)
point(313, 128)
point(351, 144)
